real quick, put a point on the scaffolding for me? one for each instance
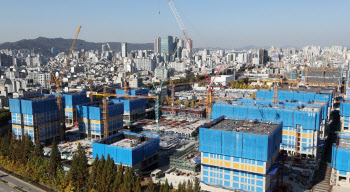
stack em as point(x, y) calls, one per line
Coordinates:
point(183, 159)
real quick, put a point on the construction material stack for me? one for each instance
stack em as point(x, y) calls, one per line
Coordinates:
point(238, 154)
point(91, 121)
point(36, 116)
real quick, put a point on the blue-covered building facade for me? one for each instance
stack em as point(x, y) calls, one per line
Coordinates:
point(300, 134)
point(36, 116)
point(72, 99)
point(238, 154)
point(127, 148)
point(341, 161)
point(344, 113)
point(90, 118)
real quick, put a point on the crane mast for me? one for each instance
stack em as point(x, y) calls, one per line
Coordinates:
point(179, 21)
point(58, 88)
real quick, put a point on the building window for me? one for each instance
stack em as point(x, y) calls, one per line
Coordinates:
point(342, 178)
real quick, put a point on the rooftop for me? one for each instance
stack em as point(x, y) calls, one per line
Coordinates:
point(36, 98)
point(126, 140)
point(258, 128)
point(344, 143)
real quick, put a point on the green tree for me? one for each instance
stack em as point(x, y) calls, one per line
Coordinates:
point(55, 159)
point(189, 186)
point(187, 103)
point(38, 150)
point(93, 176)
point(78, 172)
point(197, 187)
point(119, 177)
point(151, 186)
point(128, 180)
point(137, 186)
point(244, 86)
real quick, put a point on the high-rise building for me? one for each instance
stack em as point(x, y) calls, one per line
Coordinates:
point(104, 48)
point(124, 49)
point(167, 45)
point(157, 45)
point(189, 44)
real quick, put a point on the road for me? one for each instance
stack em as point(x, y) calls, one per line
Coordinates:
point(5, 188)
point(17, 182)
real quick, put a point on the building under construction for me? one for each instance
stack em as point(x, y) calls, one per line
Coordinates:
point(300, 126)
point(134, 108)
point(36, 116)
point(185, 159)
point(185, 112)
point(341, 161)
point(238, 154)
point(72, 99)
point(131, 149)
point(90, 118)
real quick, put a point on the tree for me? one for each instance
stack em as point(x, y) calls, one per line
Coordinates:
point(137, 186)
point(38, 150)
point(128, 180)
point(166, 187)
point(189, 186)
point(55, 159)
point(192, 104)
point(178, 102)
point(244, 86)
point(187, 103)
point(119, 177)
point(151, 186)
point(249, 86)
point(197, 187)
point(92, 179)
point(167, 100)
point(78, 172)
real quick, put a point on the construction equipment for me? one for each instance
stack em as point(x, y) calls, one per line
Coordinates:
point(210, 94)
point(105, 96)
point(58, 88)
point(157, 106)
point(179, 21)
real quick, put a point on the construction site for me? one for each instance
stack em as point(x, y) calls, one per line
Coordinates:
point(230, 139)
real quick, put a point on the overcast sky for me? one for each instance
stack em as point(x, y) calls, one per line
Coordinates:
point(219, 23)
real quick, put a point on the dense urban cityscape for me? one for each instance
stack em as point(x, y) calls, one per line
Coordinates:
point(171, 116)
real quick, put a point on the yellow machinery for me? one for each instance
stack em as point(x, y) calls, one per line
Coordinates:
point(105, 95)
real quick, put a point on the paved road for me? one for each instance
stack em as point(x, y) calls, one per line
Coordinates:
point(17, 182)
point(5, 188)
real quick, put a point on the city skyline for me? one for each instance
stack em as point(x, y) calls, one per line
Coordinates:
point(227, 25)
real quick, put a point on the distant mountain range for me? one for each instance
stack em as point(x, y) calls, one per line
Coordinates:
point(43, 45)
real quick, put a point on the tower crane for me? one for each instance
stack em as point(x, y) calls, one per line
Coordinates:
point(179, 21)
point(210, 94)
point(105, 95)
point(58, 88)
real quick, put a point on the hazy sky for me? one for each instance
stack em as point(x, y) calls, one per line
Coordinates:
point(210, 23)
